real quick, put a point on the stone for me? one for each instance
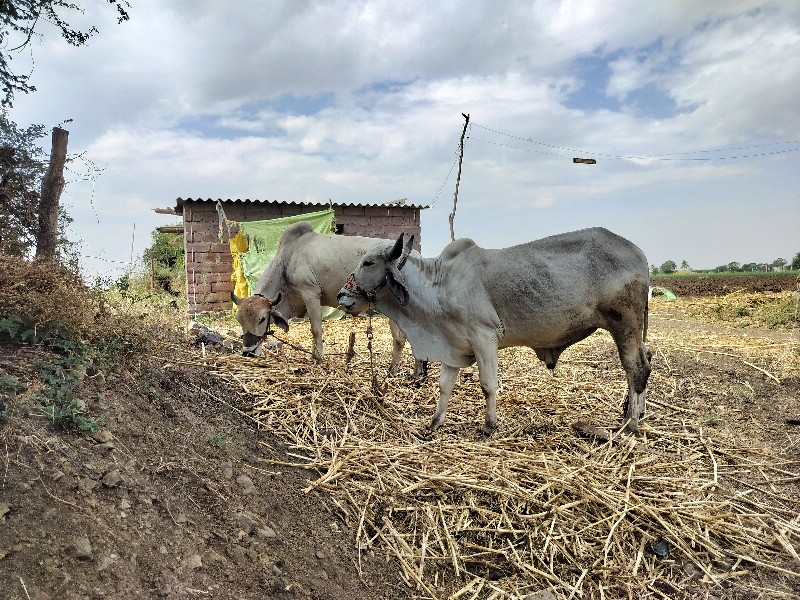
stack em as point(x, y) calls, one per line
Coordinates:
point(87, 484)
point(83, 548)
point(266, 533)
point(113, 478)
point(212, 557)
point(239, 555)
point(103, 436)
point(195, 561)
point(246, 484)
point(541, 595)
point(247, 522)
point(227, 469)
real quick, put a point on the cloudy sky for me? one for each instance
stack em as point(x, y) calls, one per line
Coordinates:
point(691, 108)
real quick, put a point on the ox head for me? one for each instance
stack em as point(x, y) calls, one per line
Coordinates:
point(379, 268)
point(255, 314)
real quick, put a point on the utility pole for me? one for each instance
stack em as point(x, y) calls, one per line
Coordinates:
point(458, 179)
point(52, 186)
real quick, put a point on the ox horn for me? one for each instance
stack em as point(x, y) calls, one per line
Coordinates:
point(274, 302)
point(397, 249)
point(234, 298)
point(406, 251)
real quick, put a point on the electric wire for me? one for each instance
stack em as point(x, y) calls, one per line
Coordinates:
point(655, 157)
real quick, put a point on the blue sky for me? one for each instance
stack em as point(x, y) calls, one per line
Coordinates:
point(361, 101)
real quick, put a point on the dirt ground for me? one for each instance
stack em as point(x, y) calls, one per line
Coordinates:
point(171, 499)
point(717, 285)
point(181, 495)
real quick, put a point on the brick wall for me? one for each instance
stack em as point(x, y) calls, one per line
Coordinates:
point(208, 260)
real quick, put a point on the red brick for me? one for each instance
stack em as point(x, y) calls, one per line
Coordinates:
point(401, 220)
point(217, 277)
point(225, 267)
point(198, 247)
point(352, 210)
point(217, 297)
point(222, 286)
point(354, 220)
point(199, 288)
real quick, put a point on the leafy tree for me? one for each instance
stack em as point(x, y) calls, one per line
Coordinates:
point(668, 267)
point(685, 266)
point(166, 259)
point(22, 165)
point(796, 262)
point(750, 267)
point(166, 251)
point(18, 22)
point(653, 270)
point(733, 267)
point(779, 263)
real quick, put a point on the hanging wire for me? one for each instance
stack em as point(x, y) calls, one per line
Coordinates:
point(659, 157)
point(456, 155)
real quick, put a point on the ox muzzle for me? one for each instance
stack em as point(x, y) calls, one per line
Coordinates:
point(351, 297)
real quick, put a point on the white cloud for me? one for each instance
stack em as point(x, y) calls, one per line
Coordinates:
point(362, 101)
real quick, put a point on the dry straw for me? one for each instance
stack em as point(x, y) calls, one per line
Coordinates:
point(683, 510)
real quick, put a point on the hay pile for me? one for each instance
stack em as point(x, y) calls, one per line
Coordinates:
point(676, 512)
point(779, 310)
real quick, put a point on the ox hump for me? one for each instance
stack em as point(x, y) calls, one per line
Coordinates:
point(453, 249)
point(296, 231)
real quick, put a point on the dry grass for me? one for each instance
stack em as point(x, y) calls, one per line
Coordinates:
point(44, 293)
point(684, 510)
point(744, 309)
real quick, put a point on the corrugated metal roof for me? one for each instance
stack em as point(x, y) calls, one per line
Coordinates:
point(399, 202)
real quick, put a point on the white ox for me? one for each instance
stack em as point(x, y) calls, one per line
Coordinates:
point(463, 305)
point(305, 275)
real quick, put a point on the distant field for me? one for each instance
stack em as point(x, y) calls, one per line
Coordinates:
point(727, 274)
point(717, 284)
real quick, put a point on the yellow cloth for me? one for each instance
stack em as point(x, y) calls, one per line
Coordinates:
point(239, 246)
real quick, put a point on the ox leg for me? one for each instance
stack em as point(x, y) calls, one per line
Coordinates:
point(398, 343)
point(487, 371)
point(314, 313)
point(635, 360)
point(447, 381)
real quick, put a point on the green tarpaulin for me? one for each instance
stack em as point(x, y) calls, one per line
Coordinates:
point(262, 239)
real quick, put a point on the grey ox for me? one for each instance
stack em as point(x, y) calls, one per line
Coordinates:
point(463, 305)
point(305, 275)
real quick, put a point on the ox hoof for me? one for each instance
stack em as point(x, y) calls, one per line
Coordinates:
point(632, 427)
point(425, 434)
point(487, 430)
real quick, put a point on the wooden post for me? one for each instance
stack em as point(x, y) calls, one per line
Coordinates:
point(458, 179)
point(52, 186)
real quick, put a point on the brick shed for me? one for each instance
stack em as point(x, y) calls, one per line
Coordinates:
point(208, 260)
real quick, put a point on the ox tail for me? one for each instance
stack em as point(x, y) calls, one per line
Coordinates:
point(646, 316)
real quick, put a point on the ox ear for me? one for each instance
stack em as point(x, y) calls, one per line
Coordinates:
point(397, 287)
point(280, 322)
point(235, 299)
point(406, 251)
point(397, 249)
